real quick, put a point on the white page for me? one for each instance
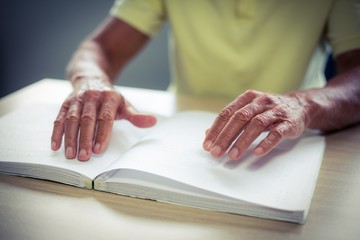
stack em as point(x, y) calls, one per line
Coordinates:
point(285, 178)
point(25, 137)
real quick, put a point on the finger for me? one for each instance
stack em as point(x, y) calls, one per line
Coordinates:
point(207, 131)
point(233, 128)
point(277, 133)
point(87, 125)
point(105, 121)
point(138, 119)
point(213, 132)
point(58, 129)
point(128, 112)
point(257, 125)
point(72, 128)
point(223, 118)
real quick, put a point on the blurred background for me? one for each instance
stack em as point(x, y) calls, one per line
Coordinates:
point(39, 37)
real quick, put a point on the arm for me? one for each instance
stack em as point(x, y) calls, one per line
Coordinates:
point(330, 108)
point(337, 105)
point(94, 104)
point(106, 51)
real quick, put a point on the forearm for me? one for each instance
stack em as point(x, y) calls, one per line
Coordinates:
point(335, 106)
point(104, 54)
point(89, 61)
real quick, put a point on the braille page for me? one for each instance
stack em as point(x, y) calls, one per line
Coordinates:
point(26, 137)
point(284, 179)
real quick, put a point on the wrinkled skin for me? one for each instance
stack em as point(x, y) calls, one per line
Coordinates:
point(248, 116)
point(331, 108)
point(87, 116)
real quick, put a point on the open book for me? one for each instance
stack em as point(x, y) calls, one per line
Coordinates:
point(166, 163)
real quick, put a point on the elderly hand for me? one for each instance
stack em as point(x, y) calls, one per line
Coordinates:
point(253, 112)
point(87, 116)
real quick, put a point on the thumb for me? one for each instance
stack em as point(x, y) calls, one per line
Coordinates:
point(141, 120)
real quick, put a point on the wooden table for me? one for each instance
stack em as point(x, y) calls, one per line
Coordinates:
point(36, 209)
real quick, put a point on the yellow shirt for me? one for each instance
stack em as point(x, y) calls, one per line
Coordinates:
point(224, 47)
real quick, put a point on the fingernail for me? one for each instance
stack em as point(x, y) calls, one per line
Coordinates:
point(97, 148)
point(216, 151)
point(234, 153)
point(208, 144)
point(82, 154)
point(259, 151)
point(69, 152)
point(53, 146)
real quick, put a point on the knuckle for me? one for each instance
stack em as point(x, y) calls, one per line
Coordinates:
point(65, 106)
point(87, 119)
point(58, 122)
point(92, 94)
point(251, 93)
point(278, 133)
point(111, 97)
point(92, 98)
point(106, 116)
point(226, 113)
point(243, 115)
point(266, 99)
point(72, 119)
point(261, 121)
point(293, 129)
point(291, 125)
point(114, 98)
point(281, 112)
point(77, 100)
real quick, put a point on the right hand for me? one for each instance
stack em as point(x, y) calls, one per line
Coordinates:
point(87, 115)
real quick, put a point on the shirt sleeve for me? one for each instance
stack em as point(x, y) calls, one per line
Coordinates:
point(147, 16)
point(344, 26)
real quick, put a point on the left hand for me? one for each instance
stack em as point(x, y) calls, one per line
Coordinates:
point(243, 120)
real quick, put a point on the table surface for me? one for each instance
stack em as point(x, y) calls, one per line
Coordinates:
point(37, 209)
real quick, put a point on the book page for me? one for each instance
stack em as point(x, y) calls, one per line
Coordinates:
point(285, 178)
point(25, 139)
